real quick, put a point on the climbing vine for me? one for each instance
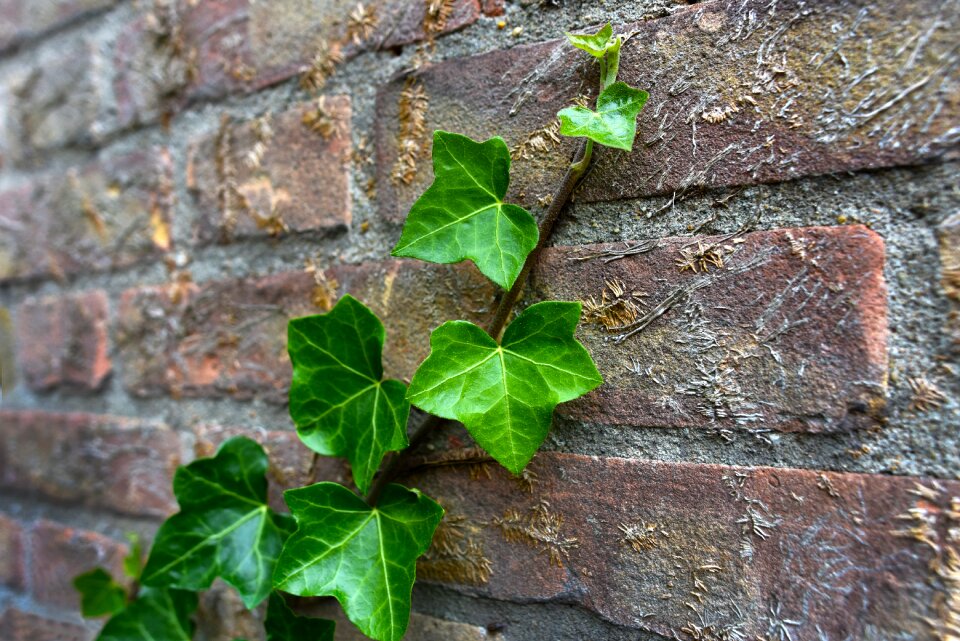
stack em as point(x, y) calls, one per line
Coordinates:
point(502, 382)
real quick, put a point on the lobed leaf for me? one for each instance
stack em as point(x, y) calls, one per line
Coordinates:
point(364, 556)
point(283, 625)
point(338, 400)
point(613, 124)
point(100, 595)
point(595, 44)
point(505, 394)
point(224, 527)
point(157, 615)
point(462, 214)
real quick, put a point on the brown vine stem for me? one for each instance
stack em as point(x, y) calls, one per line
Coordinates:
point(576, 171)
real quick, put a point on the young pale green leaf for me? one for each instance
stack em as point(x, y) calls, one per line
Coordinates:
point(224, 527)
point(100, 595)
point(505, 394)
point(364, 556)
point(133, 562)
point(283, 625)
point(338, 400)
point(613, 124)
point(595, 44)
point(462, 215)
point(157, 615)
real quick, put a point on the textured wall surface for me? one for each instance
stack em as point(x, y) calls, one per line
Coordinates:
point(771, 284)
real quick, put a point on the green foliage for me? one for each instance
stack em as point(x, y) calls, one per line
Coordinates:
point(339, 403)
point(100, 595)
point(505, 394)
point(133, 562)
point(462, 215)
point(283, 625)
point(224, 527)
point(157, 615)
point(364, 556)
point(596, 44)
point(613, 124)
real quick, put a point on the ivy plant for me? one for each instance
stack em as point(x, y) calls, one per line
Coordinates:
point(502, 382)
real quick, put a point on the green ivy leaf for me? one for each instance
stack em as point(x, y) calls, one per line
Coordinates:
point(133, 562)
point(364, 556)
point(224, 526)
point(157, 615)
point(505, 394)
point(283, 625)
point(595, 44)
point(339, 403)
point(100, 595)
point(613, 124)
point(462, 215)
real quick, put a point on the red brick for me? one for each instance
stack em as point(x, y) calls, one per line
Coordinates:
point(59, 553)
point(239, 45)
point(62, 341)
point(120, 464)
point(290, 460)
point(11, 553)
point(228, 338)
point(20, 21)
point(790, 334)
point(112, 212)
point(273, 175)
point(23, 626)
point(660, 546)
point(721, 112)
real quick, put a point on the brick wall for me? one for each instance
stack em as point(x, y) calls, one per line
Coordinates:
point(774, 456)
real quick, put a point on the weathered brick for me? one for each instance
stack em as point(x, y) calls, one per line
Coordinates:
point(740, 93)
point(59, 553)
point(20, 21)
point(949, 232)
point(789, 334)
point(665, 547)
point(291, 462)
point(229, 337)
point(115, 463)
point(62, 341)
point(274, 174)
point(23, 626)
point(109, 213)
point(242, 45)
point(11, 553)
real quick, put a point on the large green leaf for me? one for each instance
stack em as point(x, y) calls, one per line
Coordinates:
point(505, 394)
point(157, 615)
point(462, 215)
point(339, 403)
point(593, 43)
point(283, 625)
point(613, 124)
point(100, 595)
point(363, 556)
point(224, 527)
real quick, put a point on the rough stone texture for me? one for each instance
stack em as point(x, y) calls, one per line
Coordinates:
point(18, 625)
point(12, 571)
point(747, 549)
point(105, 214)
point(274, 174)
point(8, 376)
point(112, 463)
point(62, 341)
point(740, 93)
point(59, 553)
point(950, 276)
point(228, 338)
point(241, 45)
point(789, 334)
point(20, 21)
point(422, 627)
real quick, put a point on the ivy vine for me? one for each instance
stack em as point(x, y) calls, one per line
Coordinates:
point(502, 382)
